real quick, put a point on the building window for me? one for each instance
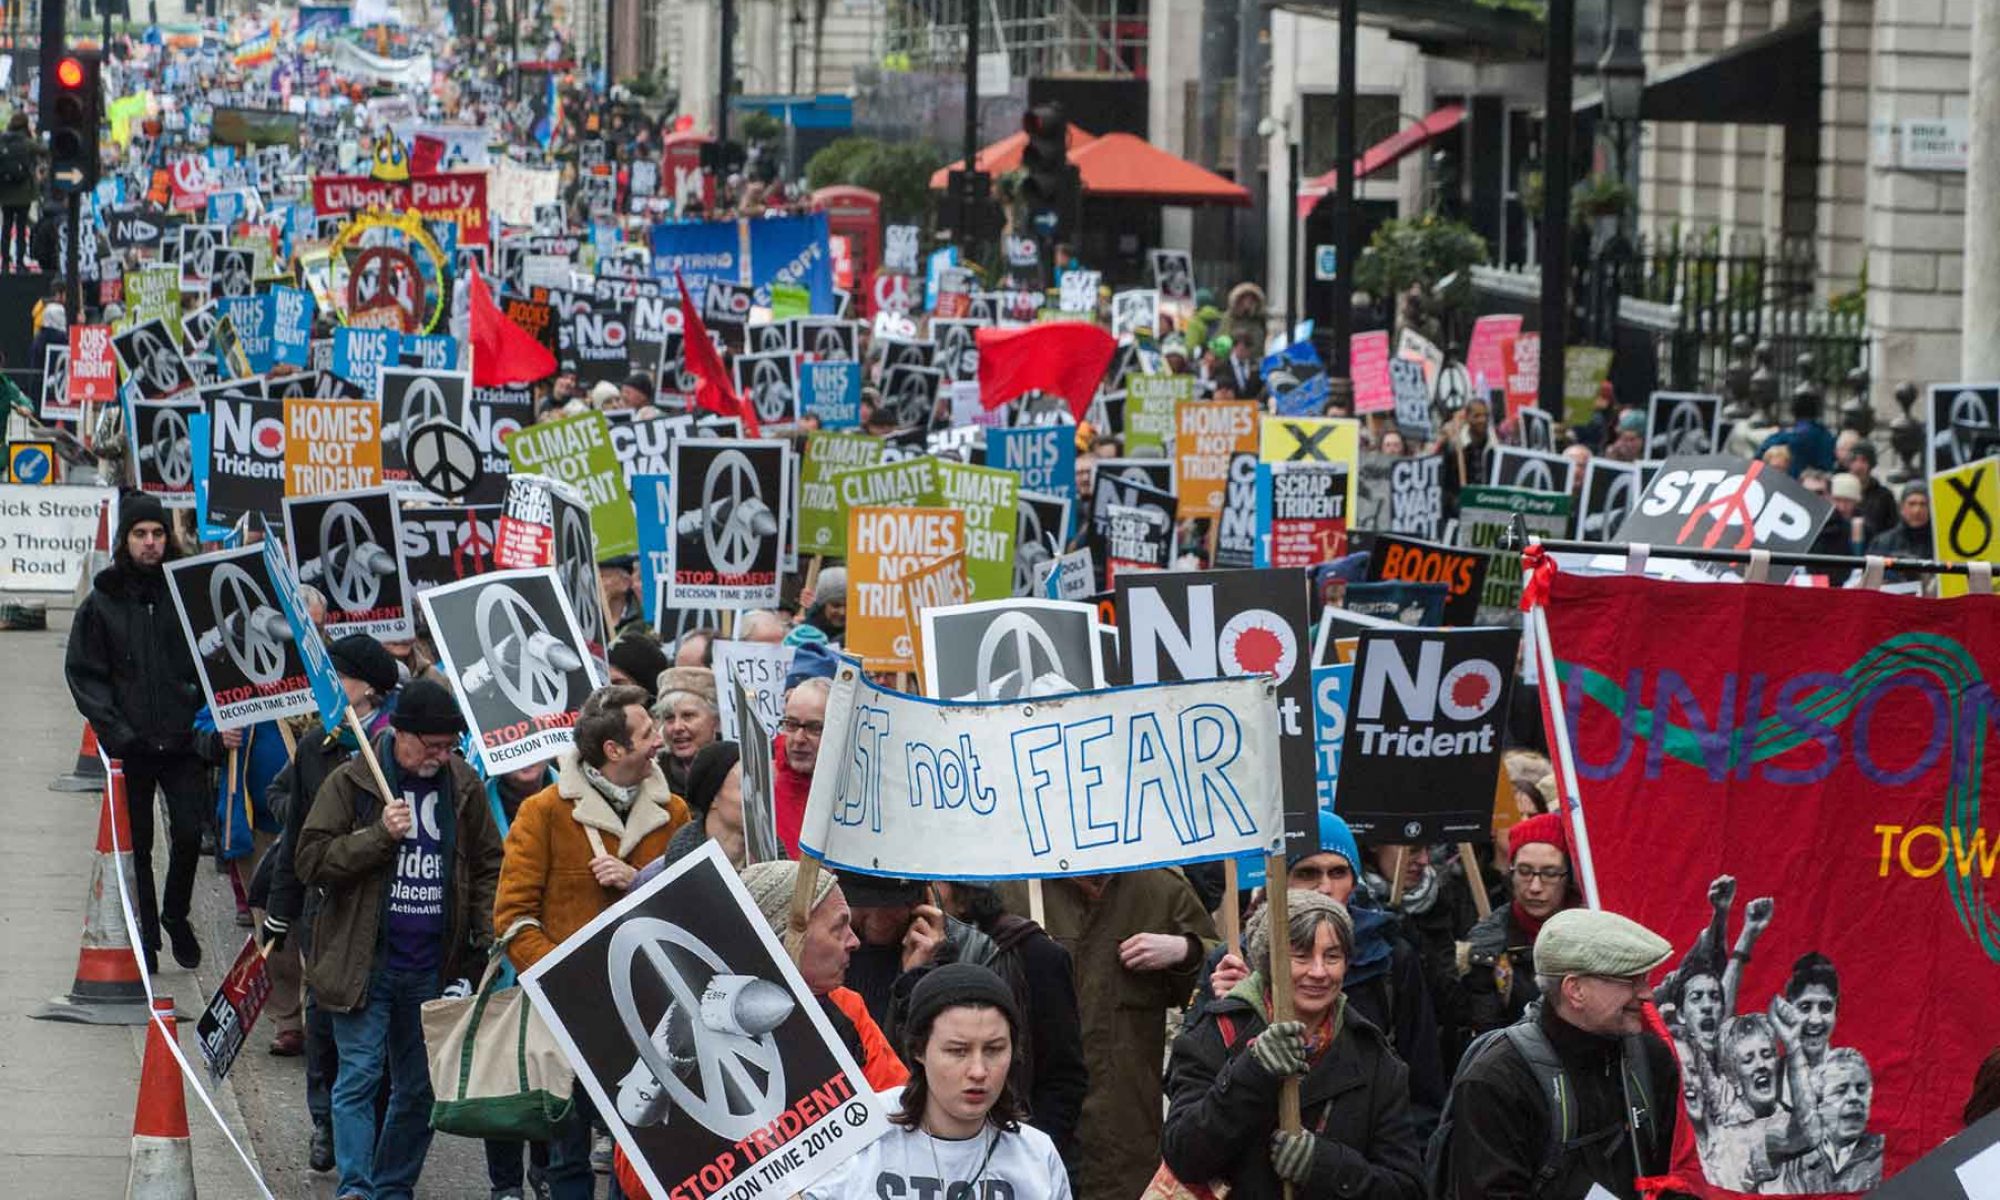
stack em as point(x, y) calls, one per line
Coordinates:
point(1376, 116)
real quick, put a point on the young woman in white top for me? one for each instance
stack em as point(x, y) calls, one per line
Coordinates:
point(957, 1131)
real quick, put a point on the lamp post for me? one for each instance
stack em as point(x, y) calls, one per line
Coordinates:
point(1621, 83)
point(1267, 129)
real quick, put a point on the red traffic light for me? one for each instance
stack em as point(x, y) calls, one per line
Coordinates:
point(69, 73)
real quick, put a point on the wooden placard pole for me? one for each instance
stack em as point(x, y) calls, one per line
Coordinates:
point(1037, 908)
point(1396, 876)
point(368, 756)
point(1232, 909)
point(1468, 854)
point(728, 624)
point(1280, 918)
point(801, 909)
point(811, 582)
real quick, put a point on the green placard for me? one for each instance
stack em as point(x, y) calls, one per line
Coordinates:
point(578, 451)
point(822, 517)
point(1585, 368)
point(1484, 514)
point(154, 291)
point(789, 300)
point(988, 497)
point(1150, 402)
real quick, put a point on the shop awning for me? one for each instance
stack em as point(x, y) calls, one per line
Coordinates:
point(1736, 85)
point(1118, 166)
point(1383, 153)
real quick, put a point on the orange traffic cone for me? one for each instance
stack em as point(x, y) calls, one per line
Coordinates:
point(162, 1155)
point(108, 989)
point(88, 773)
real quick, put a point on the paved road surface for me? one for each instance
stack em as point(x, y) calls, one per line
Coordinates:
point(67, 1091)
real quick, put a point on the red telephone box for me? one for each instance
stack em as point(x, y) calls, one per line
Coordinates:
point(854, 213)
point(680, 155)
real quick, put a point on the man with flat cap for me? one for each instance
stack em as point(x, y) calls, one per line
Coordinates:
point(1578, 1098)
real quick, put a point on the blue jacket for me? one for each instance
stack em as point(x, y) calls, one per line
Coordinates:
point(242, 804)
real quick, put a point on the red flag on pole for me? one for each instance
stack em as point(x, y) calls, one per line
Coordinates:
point(715, 393)
point(503, 352)
point(1063, 358)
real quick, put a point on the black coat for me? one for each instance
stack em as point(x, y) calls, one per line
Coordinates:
point(128, 664)
point(1499, 981)
point(291, 795)
point(1223, 1108)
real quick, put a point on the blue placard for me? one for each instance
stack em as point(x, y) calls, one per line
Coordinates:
point(1044, 456)
point(291, 326)
point(430, 351)
point(326, 689)
point(360, 354)
point(699, 251)
point(251, 318)
point(1306, 400)
point(792, 250)
point(1300, 352)
point(832, 393)
point(653, 507)
point(1331, 687)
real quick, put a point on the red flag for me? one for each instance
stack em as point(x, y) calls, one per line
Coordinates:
point(1062, 358)
point(503, 352)
point(716, 393)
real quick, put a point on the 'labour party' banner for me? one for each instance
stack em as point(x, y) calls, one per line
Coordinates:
point(1810, 787)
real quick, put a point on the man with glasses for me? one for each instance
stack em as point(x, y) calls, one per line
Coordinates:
point(796, 748)
point(408, 881)
point(1578, 1097)
point(1499, 954)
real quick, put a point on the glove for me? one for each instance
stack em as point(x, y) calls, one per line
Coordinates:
point(1292, 1155)
point(1281, 1049)
point(275, 932)
point(458, 990)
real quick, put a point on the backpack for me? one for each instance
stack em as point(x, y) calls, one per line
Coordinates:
point(1527, 1039)
point(17, 163)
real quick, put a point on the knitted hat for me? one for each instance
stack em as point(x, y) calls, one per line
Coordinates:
point(770, 886)
point(698, 680)
point(1257, 934)
point(603, 392)
point(810, 661)
point(1334, 838)
point(1545, 828)
point(1632, 421)
point(426, 708)
point(803, 634)
point(359, 656)
point(638, 655)
point(711, 766)
point(1846, 487)
point(831, 585)
point(1588, 941)
point(959, 983)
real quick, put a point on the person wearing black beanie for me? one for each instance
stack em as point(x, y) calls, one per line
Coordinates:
point(714, 795)
point(133, 678)
point(637, 659)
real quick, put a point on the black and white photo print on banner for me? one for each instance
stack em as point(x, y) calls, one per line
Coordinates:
point(412, 399)
point(1964, 425)
point(729, 515)
point(509, 643)
point(1173, 275)
point(1011, 649)
point(1683, 423)
point(1529, 470)
point(703, 1047)
point(349, 545)
point(148, 356)
point(162, 451)
point(242, 644)
point(770, 382)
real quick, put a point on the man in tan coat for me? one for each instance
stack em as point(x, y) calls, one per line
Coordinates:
point(573, 850)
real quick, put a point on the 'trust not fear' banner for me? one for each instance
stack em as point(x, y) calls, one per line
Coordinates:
point(1814, 783)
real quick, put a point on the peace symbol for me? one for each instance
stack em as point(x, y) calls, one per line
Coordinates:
point(423, 404)
point(1970, 425)
point(728, 534)
point(770, 391)
point(1534, 475)
point(236, 600)
point(155, 360)
point(1024, 636)
point(173, 454)
point(506, 622)
point(830, 346)
point(574, 558)
point(443, 459)
point(387, 277)
point(742, 1078)
point(1686, 433)
point(234, 277)
point(344, 541)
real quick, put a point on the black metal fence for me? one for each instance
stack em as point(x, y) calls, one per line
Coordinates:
point(1730, 297)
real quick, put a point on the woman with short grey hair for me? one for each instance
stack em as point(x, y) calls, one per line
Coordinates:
point(1228, 1069)
point(689, 720)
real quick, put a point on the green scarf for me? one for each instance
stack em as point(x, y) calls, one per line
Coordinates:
point(1251, 992)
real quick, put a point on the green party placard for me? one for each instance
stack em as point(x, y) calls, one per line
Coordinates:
point(1150, 404)
point(987, 496)
point(578, 451)
point(822, 516)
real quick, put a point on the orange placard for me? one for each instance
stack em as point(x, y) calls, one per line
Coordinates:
point(1207, 433)
point(332, 445)
point(884, 546)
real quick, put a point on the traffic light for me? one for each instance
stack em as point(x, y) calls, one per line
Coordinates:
point(74, 102)
point(1047, 181)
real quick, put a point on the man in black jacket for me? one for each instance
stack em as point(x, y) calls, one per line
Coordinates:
point(1590, 1032)
point(133, 678)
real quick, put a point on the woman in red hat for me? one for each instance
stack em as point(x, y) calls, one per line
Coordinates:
point(1497, 959)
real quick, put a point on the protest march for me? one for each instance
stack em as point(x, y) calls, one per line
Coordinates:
point(688, 695)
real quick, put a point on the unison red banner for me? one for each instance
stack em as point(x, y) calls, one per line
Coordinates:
point(454, 196)
point(1799, 807)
